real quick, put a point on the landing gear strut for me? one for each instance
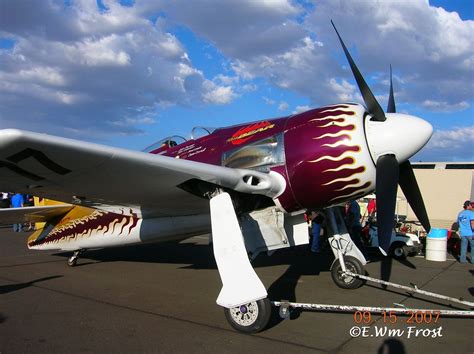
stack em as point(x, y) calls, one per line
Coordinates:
point(72, 261)
point(349, 259)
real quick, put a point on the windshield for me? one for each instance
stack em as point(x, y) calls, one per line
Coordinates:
point(199, 132)
point(167, 142)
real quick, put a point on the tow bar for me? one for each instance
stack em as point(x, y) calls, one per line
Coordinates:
point(285, 306)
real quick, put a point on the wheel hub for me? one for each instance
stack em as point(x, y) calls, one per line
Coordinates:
point(245, 315)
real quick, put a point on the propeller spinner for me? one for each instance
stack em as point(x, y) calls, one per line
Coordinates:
point(392, 138)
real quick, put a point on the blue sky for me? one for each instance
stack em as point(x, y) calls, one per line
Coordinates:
point(128, 73)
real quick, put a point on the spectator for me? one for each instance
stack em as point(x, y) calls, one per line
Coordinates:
point(354, 226)
point(466, 224)
point(316, 222)
point(5, 200)
point(17, 202)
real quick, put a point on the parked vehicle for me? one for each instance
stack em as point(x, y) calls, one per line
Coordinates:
point(402, 244)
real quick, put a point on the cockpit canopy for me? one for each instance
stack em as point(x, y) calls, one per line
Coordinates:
point(167, 142)
point(174, 140)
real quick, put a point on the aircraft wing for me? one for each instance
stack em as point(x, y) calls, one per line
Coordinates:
point(33, 214)
point(71, 170)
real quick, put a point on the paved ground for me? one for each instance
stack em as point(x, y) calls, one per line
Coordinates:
point(161, 298)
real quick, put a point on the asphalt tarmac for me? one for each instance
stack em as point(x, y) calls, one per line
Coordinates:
point(161, 298)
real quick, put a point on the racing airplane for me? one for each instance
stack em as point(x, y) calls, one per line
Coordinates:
point(248, 184)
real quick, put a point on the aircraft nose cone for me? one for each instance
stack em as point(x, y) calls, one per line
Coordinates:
point(400, 134)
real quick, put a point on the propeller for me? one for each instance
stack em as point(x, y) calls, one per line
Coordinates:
point(391, 99)
point(388, 171)
point(407, 179)
point(373, 106)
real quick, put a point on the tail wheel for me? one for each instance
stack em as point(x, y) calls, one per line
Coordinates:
point(353, 265)
point(72, 261)
point(249, 318)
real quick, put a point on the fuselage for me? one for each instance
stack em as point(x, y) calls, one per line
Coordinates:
point(322, 154)
point(325, 156)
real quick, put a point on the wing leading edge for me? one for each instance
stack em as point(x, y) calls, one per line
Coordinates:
point(66, 169)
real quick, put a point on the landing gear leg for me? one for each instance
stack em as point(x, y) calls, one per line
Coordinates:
point(243, 294)
point(348, 256)
point(72, 261)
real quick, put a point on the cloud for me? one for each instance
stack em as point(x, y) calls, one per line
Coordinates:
point(300, 109)
point(242, 29)
point(283, 106)
point(294, 48)
point(444, 106)
point(427, 46)
point(219, 95)
point(268, 101)
point(449, 145)
point(80, 68)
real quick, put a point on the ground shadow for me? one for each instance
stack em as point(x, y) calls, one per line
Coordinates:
point(189, 255)
point(4, 289)
point(284, 288)
point(391, 346)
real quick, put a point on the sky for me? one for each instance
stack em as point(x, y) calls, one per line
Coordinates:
point(128, 73)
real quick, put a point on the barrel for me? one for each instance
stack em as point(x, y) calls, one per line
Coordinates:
point(436, 245)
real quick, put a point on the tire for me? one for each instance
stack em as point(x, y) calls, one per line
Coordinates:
point(347, 282)
point(399, 250)
point(249, 318)
point(72, 261)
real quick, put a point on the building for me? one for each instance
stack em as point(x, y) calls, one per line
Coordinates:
point(444, 186)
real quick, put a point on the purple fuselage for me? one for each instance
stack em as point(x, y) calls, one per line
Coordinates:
point(324, 158)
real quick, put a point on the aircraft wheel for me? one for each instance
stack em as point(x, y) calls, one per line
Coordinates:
point(72, 261)
point(249, 318)
point(344, 281)
point(399, 250)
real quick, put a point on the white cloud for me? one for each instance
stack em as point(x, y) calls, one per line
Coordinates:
point(428, 47)
point(101, 52)
point(219, 95)
point(437, 106)
point(300, 109)
point(453, 139)
point(46, 75)
point(283, 106)
point(344, 90)
point(268, 101)
point(77, 67)
point(454, 144)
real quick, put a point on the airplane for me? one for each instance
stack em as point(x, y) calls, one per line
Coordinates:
point(247, 184)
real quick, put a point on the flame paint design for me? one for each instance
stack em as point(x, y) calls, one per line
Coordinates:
point(335, 172)
point(98, 221)
point(334, 135)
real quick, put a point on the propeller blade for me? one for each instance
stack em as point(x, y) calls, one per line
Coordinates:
point(373, 106)
point(407, 181)
point(386, 194)
point(391, 99)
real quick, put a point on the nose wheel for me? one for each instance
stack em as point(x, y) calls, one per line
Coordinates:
point(72, 261)
point(343, 280)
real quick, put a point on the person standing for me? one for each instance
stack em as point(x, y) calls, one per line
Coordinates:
point(17, 202)
point(354, 226)
point(466, 224)
point(316, 224)
point(4, 200)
